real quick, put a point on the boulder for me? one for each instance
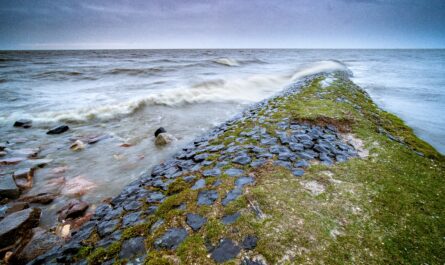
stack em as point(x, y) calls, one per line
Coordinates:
point(40, 243)
point(159, 131)
point(23, 123)
point(8, 188)
point(164, 139)
point(171, 239)
point(18, 224)
point(73, 209)
point(77, 145)
point(58, 130)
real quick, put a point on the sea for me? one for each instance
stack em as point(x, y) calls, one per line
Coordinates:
point(123, 96)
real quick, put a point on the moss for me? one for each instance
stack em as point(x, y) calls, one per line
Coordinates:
point(213, 230)
point(84, 252)
point(193, 251)
point(99, 255)
point(177, 186)
point(158, 258)
point(138, 230)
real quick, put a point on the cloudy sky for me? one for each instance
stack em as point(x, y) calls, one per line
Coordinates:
point(89, 24)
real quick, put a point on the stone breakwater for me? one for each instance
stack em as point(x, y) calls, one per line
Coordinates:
point(118, 231)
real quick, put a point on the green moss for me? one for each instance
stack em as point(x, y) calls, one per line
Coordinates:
point(158, 258)
point(193, 251)
point(177, 186)
point(213, 230)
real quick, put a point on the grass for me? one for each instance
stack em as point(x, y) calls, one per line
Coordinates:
point(386, 208)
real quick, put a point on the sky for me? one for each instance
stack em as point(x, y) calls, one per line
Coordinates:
point(155, 24)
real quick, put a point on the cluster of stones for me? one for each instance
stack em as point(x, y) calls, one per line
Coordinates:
point(292, 145)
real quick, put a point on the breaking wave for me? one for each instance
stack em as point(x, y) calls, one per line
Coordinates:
point(243, 90)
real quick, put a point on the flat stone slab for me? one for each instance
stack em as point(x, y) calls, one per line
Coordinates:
point(8, 188)
point(242, 181)
point(230, 219)
point(199, 184)
point(195, 221)
point(132, 247)
point(171, 239)
point(226, 250)
point(214, 172)
point(231, 196)
point(13, 226)
point(234, 172)
point(242, 160)
point(207, 197)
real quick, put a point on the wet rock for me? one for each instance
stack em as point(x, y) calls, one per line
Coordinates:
point(107, 227)
point(34, 163)
point(199, 184)
point(231, 196)
point(226, 250)
point(159, 131)
point(207, 197)
point(42, 198)
point(132, 247)
point(230, 219)
point(18, 224)
point(12, 160)
point(195, 221)
point(23, 178)
point(16, 207)
point(242, 159)
point(40, 243)
point(25, 152)
point(75, 208)
point(23, 123)
point(249, 242)
point(77, 145)
point(8, 188)
point(58, 130)
point(214, 172)
point(298, 172)
point(164, 139)
point(171, 239)
point(77, 186)
point(242, 181)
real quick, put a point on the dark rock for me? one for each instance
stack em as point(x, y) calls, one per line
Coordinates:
point(214, 172)
point(302, 164)
point(195, 221)
point(230, 219)
point(24, 123)
point(58, 130)
point(296, 147)
point(155, 197)
point(231, 196)
point(277, 149)
point(284, 164)
point(258, 162)
point(242, 181)
point(302, 137)
point(171, 239)
point(16, 207)
point(207, 197)
point(110, 239)
point(133, 206)
point(298, 172)
point(242, 159)
point(18, 224)
point(325, 159)
point(102, 210)
point(200, 157)
point(199, 184)
point(189, 178)
point(107, 227)
point(248, 261)
point(113, 214)
point(286, 156)
point(8, 188)
point(132, 247)
point(73, 209)
point(305, 156)
point(132, 219)
point(41, 242)
point(234, 172)
point(226, 250)
point(159, 130)
point(249, 242)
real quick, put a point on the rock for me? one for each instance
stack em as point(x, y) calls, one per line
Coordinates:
point(171, 239)
point(231, 195)
point(25, 152)
point(42, 198)
point(249, 242)
point(2, 153)
point(277, 149)
point(216, 183)
point(258, 162)
point(195, 221)
point(302, 164)
point(226, 250)
point(106, 228)
point(33, 163)
point(8, 188)
point(16, 207)
point(159, 131)
point(110, 239)
point(234, 172)
point(77, 186)
point(2, 146)
point(207, 197)
point(24, 123)
point(242, 181)
point(199, 184)
point(132, 247)
point(242, 159)
point(133, 206)
point(58, 130)
point(155, 197)
point(200, 157)
point(248, 261)
point(284, 164)
point(164, 139)
point(77, 145)
point(18, 224)
point(296, 147)
point(11, 160)
point(40, 243)
point(63, 230)
point(214, 172)
point(156, 225)
point(73, 209)
point(230, 219)
point(23, 178)
point(132, 219)
point(298, 172)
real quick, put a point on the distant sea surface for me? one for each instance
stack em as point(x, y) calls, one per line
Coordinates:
point(128, 94)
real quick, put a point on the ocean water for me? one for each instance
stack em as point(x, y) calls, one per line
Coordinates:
point(127, 94)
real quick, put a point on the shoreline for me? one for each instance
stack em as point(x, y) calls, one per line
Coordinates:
point(168, 215)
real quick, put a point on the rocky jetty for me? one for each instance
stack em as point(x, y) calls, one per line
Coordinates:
point(266, 187)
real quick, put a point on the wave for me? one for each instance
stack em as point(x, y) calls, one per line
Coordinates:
point(241, 90)
point(233, 62)
point(135, 71)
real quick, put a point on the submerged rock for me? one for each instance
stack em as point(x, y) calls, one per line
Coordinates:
point(24, 123)
point(164, 139)
point(74, 208)
point(42, 198)
point(77, 145)
point(58, 130)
